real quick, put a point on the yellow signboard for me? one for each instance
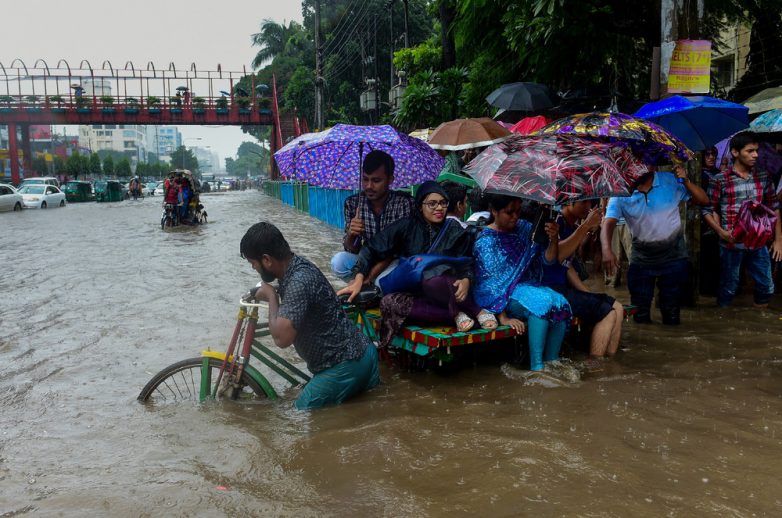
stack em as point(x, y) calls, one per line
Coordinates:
point(690, 67)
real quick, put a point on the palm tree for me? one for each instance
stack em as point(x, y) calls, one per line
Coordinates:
point(272, 39)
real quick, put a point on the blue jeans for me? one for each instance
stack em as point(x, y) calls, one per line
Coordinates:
point(758, 264)
point(340, 382)
point(544, 336)
point(670, 277)
point(342, 263)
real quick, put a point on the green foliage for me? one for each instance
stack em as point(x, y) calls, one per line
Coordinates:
point(106, 99)
point(32, 99)
point(108, 165)
point(59, 165)
point(425, 56)
point(431, 98)
point(251, 160)
point(142, 169)
point(300, 93)
point(153, 101)
point(183, 158)
point(56, 99)
point(94, 166)
point(123, 168)
point(221, 103)
point(39, 165)
point(77, 165)
point(199, 102)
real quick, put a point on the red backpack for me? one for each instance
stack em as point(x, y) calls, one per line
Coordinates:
point(754, 226)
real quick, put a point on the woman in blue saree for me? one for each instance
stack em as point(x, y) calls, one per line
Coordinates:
point(508, 269)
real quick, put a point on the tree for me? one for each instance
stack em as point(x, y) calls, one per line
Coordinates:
point(59, 165)
point(76, 165)
point(94, 166)
point(123, 168)
point(272, 39)
point(108, 165)
point(251, 160)
point(142, 169)
point(39, 165)
point(184, 157)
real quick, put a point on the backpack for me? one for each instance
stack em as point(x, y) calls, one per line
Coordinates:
point(754, 226)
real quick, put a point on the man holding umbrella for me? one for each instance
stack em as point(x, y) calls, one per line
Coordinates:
point(370, 211)
point(659, 252)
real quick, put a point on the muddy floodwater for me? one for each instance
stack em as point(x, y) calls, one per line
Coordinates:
point(95, 299)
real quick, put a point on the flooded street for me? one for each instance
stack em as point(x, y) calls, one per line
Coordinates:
point(96, 299)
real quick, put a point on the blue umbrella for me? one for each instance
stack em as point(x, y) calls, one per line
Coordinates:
point(699, 121)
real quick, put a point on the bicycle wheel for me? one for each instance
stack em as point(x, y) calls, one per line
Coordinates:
point(181, 381)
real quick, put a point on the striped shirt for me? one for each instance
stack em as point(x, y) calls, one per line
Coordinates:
point(398, 205)
point(727, 191)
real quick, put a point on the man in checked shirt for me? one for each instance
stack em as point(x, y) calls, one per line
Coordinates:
point(369, 212)
point(727, 191)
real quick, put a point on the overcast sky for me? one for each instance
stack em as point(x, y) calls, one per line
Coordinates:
point(162, 31)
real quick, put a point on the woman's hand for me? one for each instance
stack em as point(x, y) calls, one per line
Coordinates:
point(514, 323)
point(462, 289)
point(552, 231)
point(354, 288)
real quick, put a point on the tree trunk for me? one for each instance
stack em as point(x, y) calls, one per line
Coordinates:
point(447, 15)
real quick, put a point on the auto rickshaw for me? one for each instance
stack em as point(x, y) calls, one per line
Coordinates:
point(108, 190)
point(77, 191)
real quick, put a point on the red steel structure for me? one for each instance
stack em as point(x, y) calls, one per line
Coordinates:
point(41, 95)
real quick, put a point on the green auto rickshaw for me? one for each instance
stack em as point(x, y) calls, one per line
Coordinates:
point(77, 191)
point(108, 190)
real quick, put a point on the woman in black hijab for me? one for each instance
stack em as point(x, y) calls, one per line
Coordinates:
point(444, 294)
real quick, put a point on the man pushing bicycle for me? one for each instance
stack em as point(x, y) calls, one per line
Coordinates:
point(305, 312)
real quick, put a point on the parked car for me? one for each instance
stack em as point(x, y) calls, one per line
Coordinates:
point(42, 195)
point(77, 191)
point(160, 189)
point(46, 180)
point(10, 199)
point(149, 188)
point(109, 190)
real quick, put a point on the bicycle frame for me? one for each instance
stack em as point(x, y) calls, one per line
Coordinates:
point(248, 333)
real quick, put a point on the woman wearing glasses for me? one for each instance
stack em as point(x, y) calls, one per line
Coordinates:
point(444, 292)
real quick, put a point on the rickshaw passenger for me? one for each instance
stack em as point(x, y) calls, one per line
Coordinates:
point(186, 193)
point(372, 210)
point(307, 314)
point(444, 294)
point(508, 271)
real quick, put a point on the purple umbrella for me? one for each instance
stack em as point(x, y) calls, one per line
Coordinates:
point(333, 158)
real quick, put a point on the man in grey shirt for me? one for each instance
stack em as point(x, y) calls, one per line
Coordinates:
point(306, 313)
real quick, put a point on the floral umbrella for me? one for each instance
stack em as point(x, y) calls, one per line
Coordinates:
point(556, 169)
point(333, 158)
point(651, 143)
point(769, 122)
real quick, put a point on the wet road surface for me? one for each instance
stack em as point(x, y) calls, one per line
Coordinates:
point(96, 299)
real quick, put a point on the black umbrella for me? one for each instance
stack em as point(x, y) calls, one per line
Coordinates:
point(527, 97)
point(182, 89)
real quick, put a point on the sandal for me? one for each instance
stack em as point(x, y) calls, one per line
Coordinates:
point(487, 320)
point(463, 322)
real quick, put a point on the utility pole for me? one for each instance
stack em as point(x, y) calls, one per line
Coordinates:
point(391, 38)
point(318, 70)
point(374, 68)
point(407, 45)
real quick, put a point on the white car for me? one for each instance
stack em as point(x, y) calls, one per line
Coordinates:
point(47, 180)
point(10, 199)
point(148, 189)
point(159, 189)
point(41, 195)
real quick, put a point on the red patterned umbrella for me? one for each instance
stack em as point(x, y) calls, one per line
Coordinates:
point(556, 169)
